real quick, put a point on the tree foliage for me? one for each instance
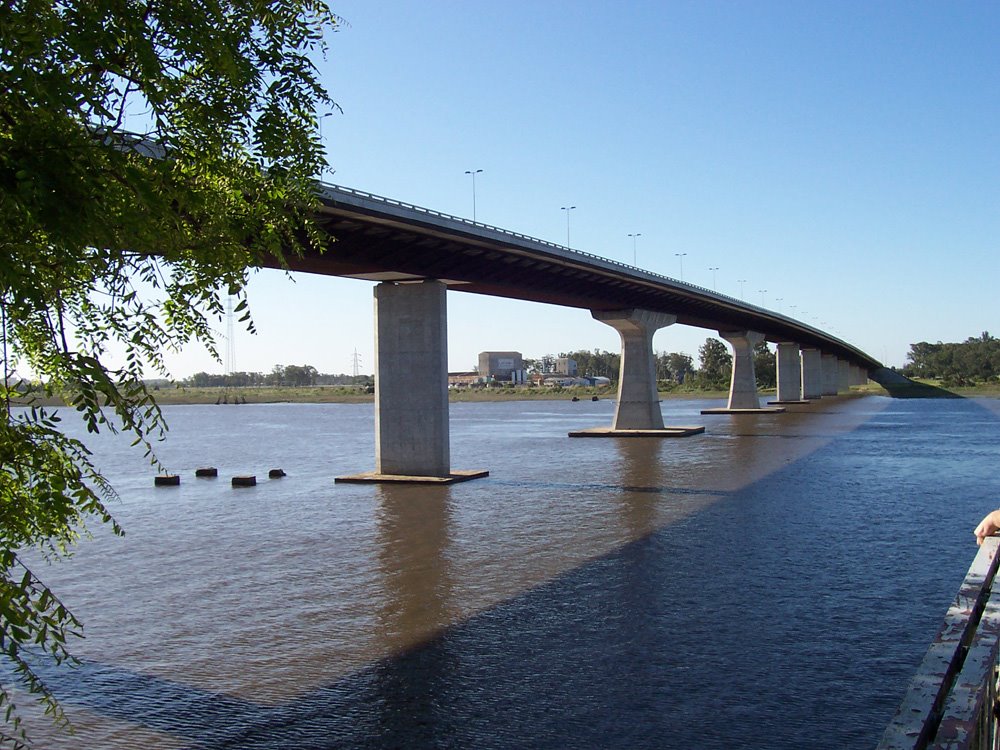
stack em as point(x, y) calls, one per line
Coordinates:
point(975, 360)
point(151, 154)
point(716, 364)
point(597, 363)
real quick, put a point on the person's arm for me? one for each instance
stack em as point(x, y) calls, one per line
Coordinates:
point(988, 526)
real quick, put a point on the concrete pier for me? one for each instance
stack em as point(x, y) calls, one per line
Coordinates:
point(411, 386)
point(812, 373)
point(637, 413)
point(789, 370)
point(831, 372)
point(743, 396)
point(843, 376)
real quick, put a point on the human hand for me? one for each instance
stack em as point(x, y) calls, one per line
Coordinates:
point(988, 526)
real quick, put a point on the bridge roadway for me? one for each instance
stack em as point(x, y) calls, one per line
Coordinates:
point(417, 254)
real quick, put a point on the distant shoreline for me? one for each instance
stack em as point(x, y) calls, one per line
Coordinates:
point(332, 394)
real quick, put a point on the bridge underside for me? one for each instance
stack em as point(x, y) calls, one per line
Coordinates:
point(471, 258)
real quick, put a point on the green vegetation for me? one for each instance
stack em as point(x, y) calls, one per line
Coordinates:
point(673, 369)
point(117, 247)
point(974, 361)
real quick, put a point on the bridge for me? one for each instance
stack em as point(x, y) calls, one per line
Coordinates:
point(418, 254)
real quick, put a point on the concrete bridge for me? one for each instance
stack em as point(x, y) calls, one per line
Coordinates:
point(417, 255)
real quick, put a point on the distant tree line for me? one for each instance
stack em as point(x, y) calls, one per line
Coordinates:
point(975, 360)
point(280, 375)
point(673, 369)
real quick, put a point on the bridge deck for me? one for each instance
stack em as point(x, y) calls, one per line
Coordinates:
point(381, 239)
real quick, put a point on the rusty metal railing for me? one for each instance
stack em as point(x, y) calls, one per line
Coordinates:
point(951, 703)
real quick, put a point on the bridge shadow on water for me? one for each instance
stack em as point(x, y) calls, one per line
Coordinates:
point(757, 622)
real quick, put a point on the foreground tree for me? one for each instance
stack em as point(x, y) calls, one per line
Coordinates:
point(118, 247)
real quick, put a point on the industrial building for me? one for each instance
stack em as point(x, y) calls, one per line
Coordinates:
point(502, 366)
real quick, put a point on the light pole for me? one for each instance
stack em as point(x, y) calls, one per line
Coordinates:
point(681, 257)
point(761, 296)
point(473, 172)
point(741, 282)
point(779, 300)
point(713, 269)
point(633, 236)
point(567, 209)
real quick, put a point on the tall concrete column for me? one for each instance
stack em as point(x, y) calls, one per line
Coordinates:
point(830, 373)
point(812, 373)
point(743, 385)
point(843, 375)
point(411, 379)
point(638, 401)
point(789, 372)
point(637, 413)
point(411, 387)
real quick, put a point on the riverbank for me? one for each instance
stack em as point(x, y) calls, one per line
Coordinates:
point(330, 394)
point(347, 395)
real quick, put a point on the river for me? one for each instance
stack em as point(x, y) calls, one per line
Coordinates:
point(772, 583)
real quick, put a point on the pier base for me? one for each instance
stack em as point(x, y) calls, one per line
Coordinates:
point(372, 477)
point(663, 432)
point(758, 410)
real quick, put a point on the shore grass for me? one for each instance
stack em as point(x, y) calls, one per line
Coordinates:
point(332, 394)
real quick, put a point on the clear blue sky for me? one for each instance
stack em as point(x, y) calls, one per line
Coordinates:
point(843, 156)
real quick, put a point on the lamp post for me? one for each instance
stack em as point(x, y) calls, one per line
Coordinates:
point(713, 269)
point(473, 172)
point(681, 257)
point(779, 300)
point(761, 296)
point(567, 209)
point(741, 282)
point(633, 236)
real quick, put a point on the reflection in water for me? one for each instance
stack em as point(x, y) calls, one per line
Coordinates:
point(413, 524)
point(413, 527)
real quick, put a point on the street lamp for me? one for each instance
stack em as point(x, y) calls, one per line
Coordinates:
point(713, 269)
point(779, 300)
point(761, 296)
point(473, 172)
point(741, 282)
point(633, 236)
point(681, 256)
point(567, 209)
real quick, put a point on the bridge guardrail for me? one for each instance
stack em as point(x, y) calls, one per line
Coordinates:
point(951, 702)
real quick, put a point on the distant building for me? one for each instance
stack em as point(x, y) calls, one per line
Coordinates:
point(464, 379)
point(503, 366)
point(566, 366)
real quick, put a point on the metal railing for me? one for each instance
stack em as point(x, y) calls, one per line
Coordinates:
point(952, 701)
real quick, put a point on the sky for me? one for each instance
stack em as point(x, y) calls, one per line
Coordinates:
point(838, 162)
